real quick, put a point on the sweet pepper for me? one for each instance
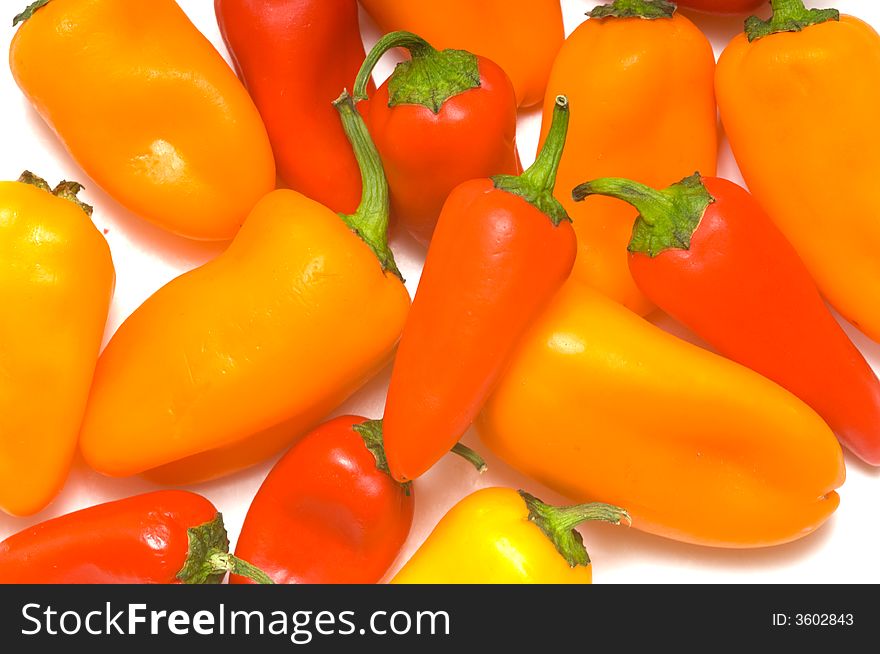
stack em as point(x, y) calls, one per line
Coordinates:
point(441, 119)
point(228, 363)
point(799, 97)
point(501, 536)
point(641, 77)
point(294, 57)
point(148, 108)
point(601, 405)
point(56, 283)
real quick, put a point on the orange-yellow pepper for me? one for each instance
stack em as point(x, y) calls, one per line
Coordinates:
point(644, 92)
point(56, 283)
point(601, 405)
point(148, 108)
point(228, 363)
point(501, 536)
point(801, 112)
point(521, 36)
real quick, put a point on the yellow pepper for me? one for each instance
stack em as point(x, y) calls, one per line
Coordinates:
point(501, 536)
point(56, 283)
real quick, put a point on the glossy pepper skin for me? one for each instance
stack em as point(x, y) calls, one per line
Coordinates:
point(502, 248)
point(723, 6)
point(600, 405)
point(226, 364)
point(165, 537)
point(656, 124)
point(521, 36)
point(501, 536)
point(148, 108)
point(56, 283)
point(294, 56)
point(800, 110)
point(441, 119)
point(705, 253)
point(329, 512)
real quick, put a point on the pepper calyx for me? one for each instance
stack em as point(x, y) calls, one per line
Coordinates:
point(429, 78)
point(645, 9)
point(536, 185)
point(29, 11)
point(558, 524)
point(65, 190)
point(667, 218)
point(788, 16)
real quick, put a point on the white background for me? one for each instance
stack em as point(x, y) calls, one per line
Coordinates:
point(844, 550)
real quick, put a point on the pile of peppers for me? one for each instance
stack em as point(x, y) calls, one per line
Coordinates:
point(527, 322)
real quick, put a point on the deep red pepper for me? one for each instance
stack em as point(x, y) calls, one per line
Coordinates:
point(502, 248)
point(166, 537)
point(329, 512)
point(707, 254)
point(295, 56)
point(441, 119)
point(723, 6)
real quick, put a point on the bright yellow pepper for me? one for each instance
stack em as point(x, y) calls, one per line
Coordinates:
point(501, 536)
point(56, 283)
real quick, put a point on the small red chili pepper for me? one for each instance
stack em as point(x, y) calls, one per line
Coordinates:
point(441, 119)
point(166, 537)
point(705, 252)
point(294, 58)
point(329, 512)
point(502, 248)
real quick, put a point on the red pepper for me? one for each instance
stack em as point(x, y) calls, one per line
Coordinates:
point(706, 253)
point(329, 512)
point(723, 6)
point(441, 119)
point(295, 56)
point(166, 537)
point(502, 248)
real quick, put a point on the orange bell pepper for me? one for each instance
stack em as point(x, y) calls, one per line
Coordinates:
point(228, 363)
point(521, 36)
point(56, 282)
point(148, 108)
point(600, 405)
point(800, 109)
point(643, 88)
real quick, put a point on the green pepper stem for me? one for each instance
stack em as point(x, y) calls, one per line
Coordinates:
point(371, 432)
point(222, 562)
point(470, 456)
point(429, 78)
point(558, 524)
point(788, 16)
point(370, 221)
point(29, 11)
point(208, 559)
point(647, 9)
point(667, 219)
point(536, 184)
point(652, 205)
point(416, 45)
point(65, 190)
